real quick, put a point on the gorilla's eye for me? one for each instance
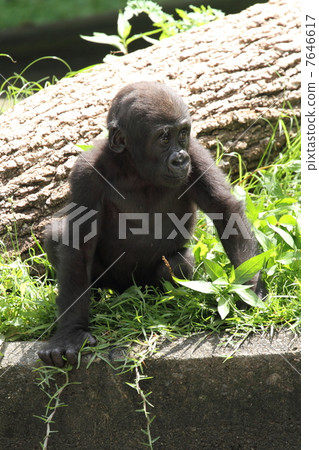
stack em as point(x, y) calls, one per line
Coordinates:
point(183, 135)
point(165, 137)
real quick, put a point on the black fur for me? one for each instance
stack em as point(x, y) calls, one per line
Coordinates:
point(149, 165)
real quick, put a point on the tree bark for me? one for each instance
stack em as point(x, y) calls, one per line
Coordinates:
point(238, 76)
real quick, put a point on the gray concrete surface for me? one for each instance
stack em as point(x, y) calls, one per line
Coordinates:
point(201, 400)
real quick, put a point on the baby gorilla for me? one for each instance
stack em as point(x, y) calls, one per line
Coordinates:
point(133, 201)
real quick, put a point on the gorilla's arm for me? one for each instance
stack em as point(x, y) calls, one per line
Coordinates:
point(72, 250)
point(211, 192)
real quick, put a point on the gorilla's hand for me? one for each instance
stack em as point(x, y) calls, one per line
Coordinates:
point(65, 343)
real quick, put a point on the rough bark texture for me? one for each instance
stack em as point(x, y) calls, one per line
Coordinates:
point(233, 73)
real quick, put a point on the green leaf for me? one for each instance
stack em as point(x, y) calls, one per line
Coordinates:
point(152, 9)
point(271, 270)
point(200, 250)
point(204, 287)
point(272, 220)
point(286, 201)
point(249, 268)
point(220, 282)
point(84, 147)
point(249, 297)
point(251, 210)
point(123, 26)
point(231, 277)
point(214, 270)
point(223, 307)
point(182, 14)
point(102, 38)
point(150, 40)
point(143, 36)
point(284, 235)
point(289, 257)
point(240, 193)
point(239, 287)
point(287, 219)
point(264, 240)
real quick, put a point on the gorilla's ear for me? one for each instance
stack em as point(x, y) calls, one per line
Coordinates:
point(117, 141)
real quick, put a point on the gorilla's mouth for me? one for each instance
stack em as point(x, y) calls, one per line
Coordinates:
point(180, 174)
point(175, 179)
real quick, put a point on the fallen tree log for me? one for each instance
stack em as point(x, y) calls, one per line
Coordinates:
point(238, 76)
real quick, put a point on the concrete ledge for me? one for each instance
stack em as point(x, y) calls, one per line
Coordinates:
point(201, 401)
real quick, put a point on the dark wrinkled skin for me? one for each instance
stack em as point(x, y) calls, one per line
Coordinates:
point(149, 164)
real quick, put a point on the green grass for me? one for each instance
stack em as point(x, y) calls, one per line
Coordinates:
point(16, 87)
point(273, 206)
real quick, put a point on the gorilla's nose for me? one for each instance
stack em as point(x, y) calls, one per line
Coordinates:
point(178, 162)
